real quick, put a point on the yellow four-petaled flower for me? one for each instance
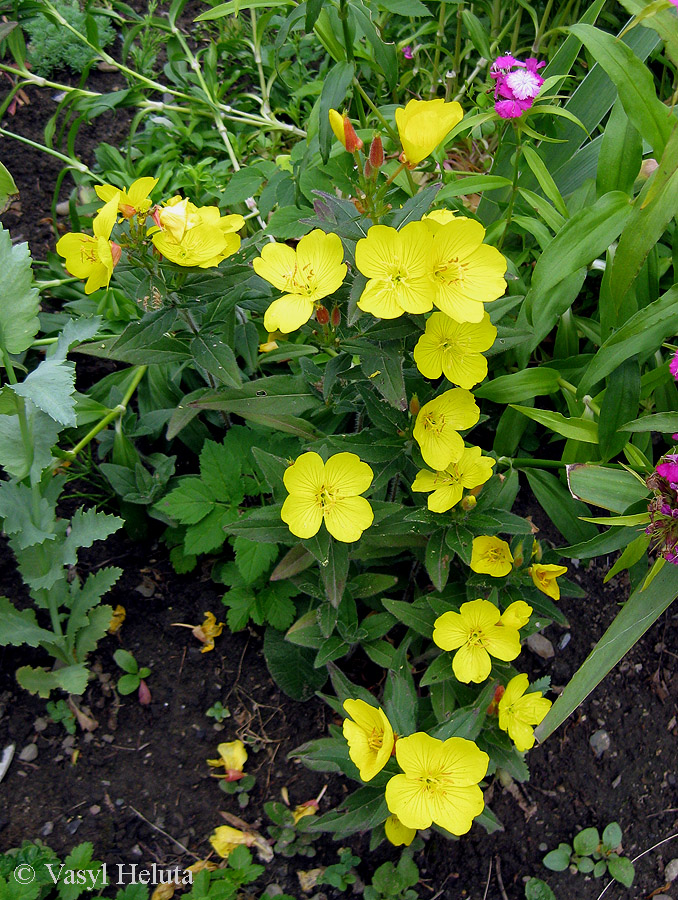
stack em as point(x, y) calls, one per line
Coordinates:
point(519, 712)
point(469, 471)
point(370, 737)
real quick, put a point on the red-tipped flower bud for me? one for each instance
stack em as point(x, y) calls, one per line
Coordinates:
point(322, 315)
point(345, 132)
point(335, 317)
point(377, 152)
point(415, 406)
point(116, 252)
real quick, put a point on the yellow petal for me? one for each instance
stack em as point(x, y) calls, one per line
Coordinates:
point(288, 313)
point(305, 476)
point(456, 812)
point(277, 265)
point(471, 663)
point(346, 473)
point(303, 516)
point(450, 631)
point(348, 518)
point(397, 833)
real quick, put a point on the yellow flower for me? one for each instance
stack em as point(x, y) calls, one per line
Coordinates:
point(517, 615)
point(118, 617)
point(397, 833)
point(467, 272)
point(133, 202)
point(437, 426)
point(439, 783)
point(398, 266)
point(476, 632)
point(370, 737)
point(93, 258)
point(304, 809)
point(225, 839)
point(232, 756)
point(545, 578)
point(438, 217)
point(327, 491)
point(313, 271)
point(519, 711)
point(454, 348)
point(470, 470)
point(491, 556)
point(344, 132)
point(206, 632)
point(189, 235)
point(423, 124)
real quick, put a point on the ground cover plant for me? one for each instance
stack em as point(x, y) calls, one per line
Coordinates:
point(344, 329)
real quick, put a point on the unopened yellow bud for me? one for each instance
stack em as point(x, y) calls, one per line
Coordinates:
point(468, 502)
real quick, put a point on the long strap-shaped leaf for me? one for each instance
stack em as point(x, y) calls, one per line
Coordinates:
point(641, 610)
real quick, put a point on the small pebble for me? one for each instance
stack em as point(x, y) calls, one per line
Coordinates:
point(94, 810)
point(564, 641)
point(671, 870)
point(68, 742)
point(540, 645)
point(600, 742)
point(107, 738)
point(40, 724)
point(274, 890)
point(73, 825)
point(47, 829)
point(136, 852)
point(29, 753)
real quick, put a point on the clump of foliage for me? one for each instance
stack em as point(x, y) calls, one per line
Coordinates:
point(52, 45)
point(591, 853)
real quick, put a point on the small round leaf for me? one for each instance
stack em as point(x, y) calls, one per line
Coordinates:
point(559, 859)
point(612, 836)
point(621, 869)
point(586, 842)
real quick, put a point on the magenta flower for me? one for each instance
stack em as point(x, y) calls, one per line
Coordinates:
point(669, 471)
point(673, 365)
point(407, 51)
point(516, 83)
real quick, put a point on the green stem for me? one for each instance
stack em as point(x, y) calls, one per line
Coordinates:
point(392, 133)
point(116, 413)
point(542, 27)
point(529, 463)
point(587, 400)
point(440, 34)
point(457, 45)
point(73, 163)
point(256, 46)
point(514, 192)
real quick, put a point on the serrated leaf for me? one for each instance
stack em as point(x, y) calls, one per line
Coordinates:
point(44, 432)
point(220, 471)
point(217, 358)
point(72, 679)
point(21, 626)
point(208, 534)
point(19, 321)
point(253, 558)
point(291, 667)
point(50, 387)
point(16, 508)
point(188, 503)
point(86, 528)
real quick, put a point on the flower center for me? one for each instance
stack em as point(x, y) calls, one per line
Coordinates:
point(524, 84)
point(327, 497)
point(476, 638)
point(434, 423)
point(450, 270)
point(375, 740)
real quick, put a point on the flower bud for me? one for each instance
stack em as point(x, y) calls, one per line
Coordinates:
point(376, 152)
point(498, 694)
point(335, 317)
point(415, 406)
point(144, 693)
point(468, 502)
point(116, 252)
point(647, 168)
point(345, 132)
point(322, 315)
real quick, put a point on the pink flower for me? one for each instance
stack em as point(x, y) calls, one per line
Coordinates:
point(517, 83)
point(669, 471)
point(407, 51)
point(673, 365)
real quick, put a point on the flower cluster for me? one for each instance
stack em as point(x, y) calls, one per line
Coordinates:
point(516, 85)
point(428, 264)
point(663, 508)
point(182, 233)
point(439, 780)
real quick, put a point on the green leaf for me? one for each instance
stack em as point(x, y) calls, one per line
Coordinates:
point(26, 525)
point(220, 471)
point(559, 859)
point(253, 558)
point(612, 835)
point(620, 402)
point(273, 395)
point(631, 555)
point(666, 422)
point(127, 684)
point(621, 154)
point(641, 610)
point(50, 386)
point(217, 358)
point(634, 82)
point(72, 679)
point(384, 368)
point(642, 333)
point(585, 235)
point(19, 627)
point(8, 187)
point(233, 7)
point(536, 889)
point(418, 618)
point(412, 8)
point(287, 222)
point(546, 182)
point(126, 661)
point(291, 667)
point(19, 322)
point(613, 489)
point(585, 430)
point(621, 869)
point(208, 534)
point(385, 55)
point(87, 527)
point(563, 510)
point(263, 524)
point(519, 386)
point(473, 184)
point(438, 558)
point(586, 842)
point(189, 503)
point(242, 185)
